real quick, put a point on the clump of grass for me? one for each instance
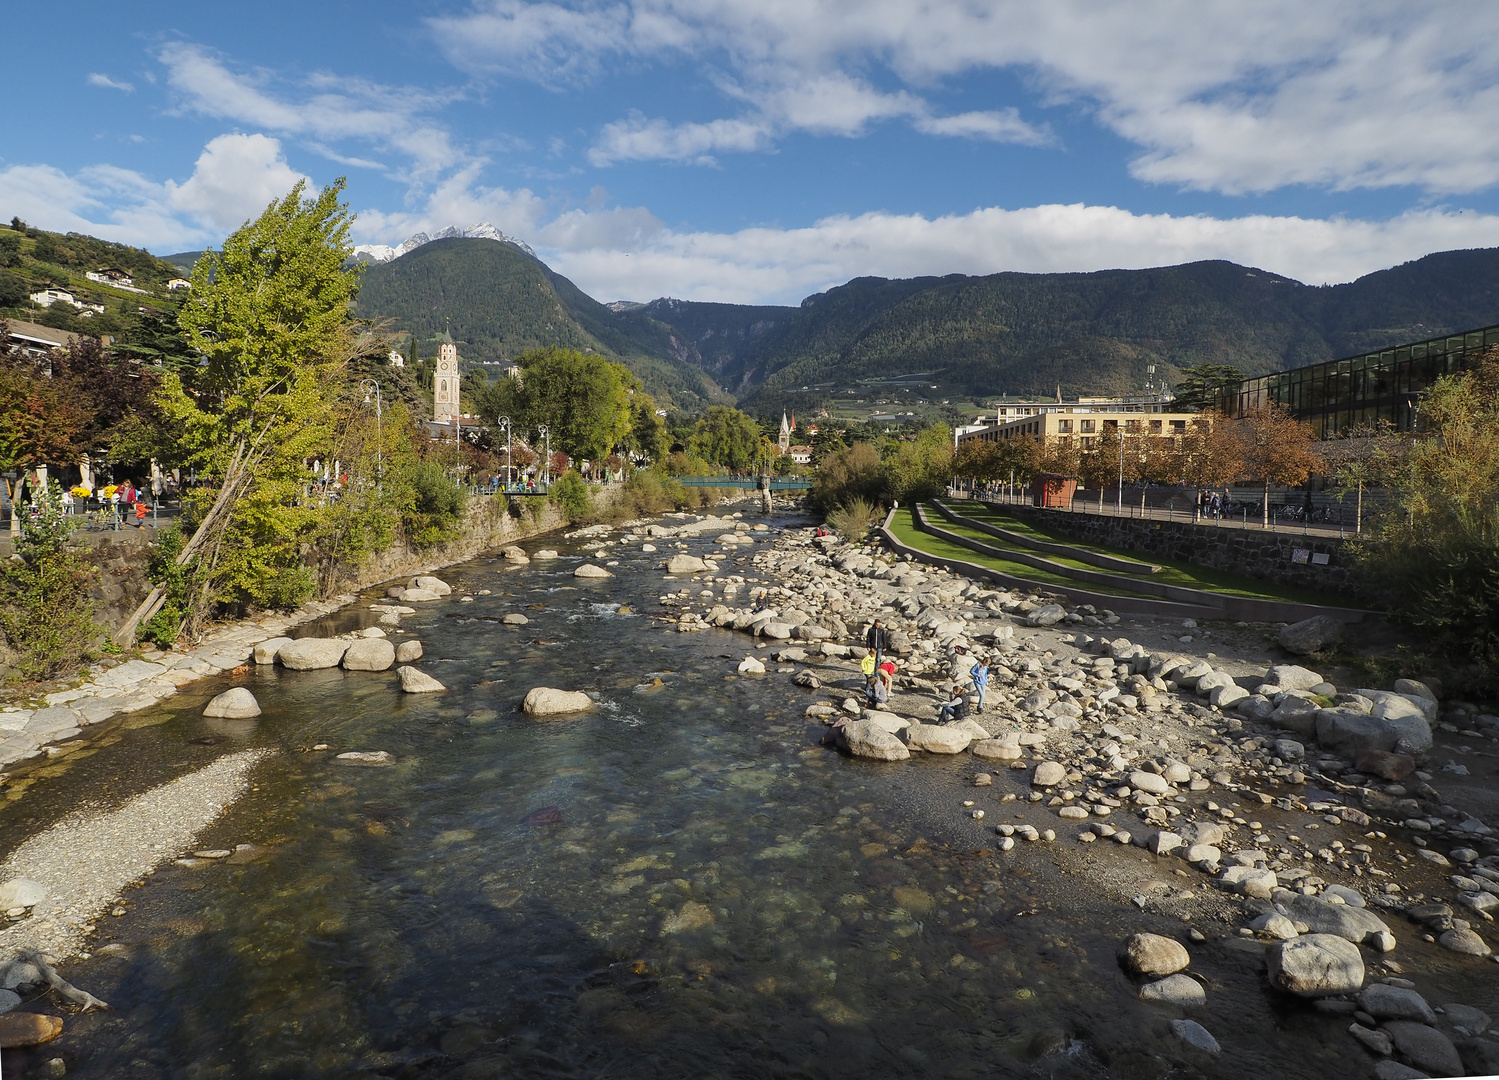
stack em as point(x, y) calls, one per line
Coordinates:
point(854, 519)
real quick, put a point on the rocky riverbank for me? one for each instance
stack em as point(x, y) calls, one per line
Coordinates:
point(1290, 815)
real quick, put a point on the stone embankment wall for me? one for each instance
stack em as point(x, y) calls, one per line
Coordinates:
point(1264, 556)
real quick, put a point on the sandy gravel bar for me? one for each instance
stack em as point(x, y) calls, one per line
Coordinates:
point(86, 860)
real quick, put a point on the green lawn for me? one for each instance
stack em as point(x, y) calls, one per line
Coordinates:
point(1182, 574)
point(903, 525)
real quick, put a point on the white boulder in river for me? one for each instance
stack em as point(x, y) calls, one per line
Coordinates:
point(265, 652)
point(21, 892)
point(235, 704)
point(546, 701)
point(685, 564)
point(1315, 965)
point(370, 654)
point(309, 654)
point(418, 682)
point(408, 651)
point(431, 584)
point(866, 739)
point(588, 570)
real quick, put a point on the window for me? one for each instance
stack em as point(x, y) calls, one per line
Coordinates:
point(1064, 427)
point(1087, 427)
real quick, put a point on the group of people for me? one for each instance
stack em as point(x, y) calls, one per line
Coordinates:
point(879, 675)
point(123, 498)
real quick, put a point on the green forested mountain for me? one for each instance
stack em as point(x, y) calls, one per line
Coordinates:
point(497, 302)
point(1016, 333)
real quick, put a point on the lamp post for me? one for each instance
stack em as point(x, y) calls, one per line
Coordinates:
point(546, 471)
point(370, 386)
point(505, 423)
point(1120, 430)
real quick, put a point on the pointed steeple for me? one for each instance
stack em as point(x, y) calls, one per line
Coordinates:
point(785, 440)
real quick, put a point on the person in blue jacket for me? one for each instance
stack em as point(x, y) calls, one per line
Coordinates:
point(979, 673)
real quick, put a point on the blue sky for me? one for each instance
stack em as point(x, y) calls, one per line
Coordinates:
point(762, 150)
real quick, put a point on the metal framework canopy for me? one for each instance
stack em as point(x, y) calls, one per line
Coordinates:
point(1384, 385)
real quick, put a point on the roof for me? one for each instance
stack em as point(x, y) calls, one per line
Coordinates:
point(37, 334)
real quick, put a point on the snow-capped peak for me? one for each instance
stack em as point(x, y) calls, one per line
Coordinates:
point(483, 231)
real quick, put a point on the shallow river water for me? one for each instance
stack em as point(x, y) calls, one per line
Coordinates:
point(682, 883)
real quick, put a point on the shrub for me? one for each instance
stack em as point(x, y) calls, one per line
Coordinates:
point(435, 512)
point(853, 520)
point(176, 583)
point(570, 493)
point(854, 473)
point(46, 618)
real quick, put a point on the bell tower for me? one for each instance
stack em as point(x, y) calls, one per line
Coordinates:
point(445, 382)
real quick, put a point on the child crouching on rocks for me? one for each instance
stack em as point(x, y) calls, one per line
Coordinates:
point(954, 708)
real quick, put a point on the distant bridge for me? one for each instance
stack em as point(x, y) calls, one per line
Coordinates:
point(777, 483)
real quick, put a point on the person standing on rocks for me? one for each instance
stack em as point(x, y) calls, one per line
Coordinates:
point(878, 639)
point(979, 673)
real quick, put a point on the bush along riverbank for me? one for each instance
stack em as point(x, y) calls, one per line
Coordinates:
point(1292, 815)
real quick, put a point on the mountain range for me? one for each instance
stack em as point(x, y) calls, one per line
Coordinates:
point(1016, 333)
point(483, 231)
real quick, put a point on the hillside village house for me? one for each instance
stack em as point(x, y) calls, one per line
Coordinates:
point(52, 294)
point(115, 279)
point(179, 283)
point(31, 339)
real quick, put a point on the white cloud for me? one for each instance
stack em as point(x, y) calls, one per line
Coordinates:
point(640, 139)
point(324, 109)
point(106, 83)
point(457, 200)
point(1217, 95)
point(235, 178)
point(768, 265)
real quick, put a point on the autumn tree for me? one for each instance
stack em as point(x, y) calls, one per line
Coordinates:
point(1273, 447)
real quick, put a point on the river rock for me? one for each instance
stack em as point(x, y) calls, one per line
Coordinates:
point(588, 570)
point(1351, 732)
point(1311, 635)
point(1383, 764)
point(265, 652)
point(370, 654)
point(408, 652)
point(1273, 924)
point(1154, 783)
point(1315, 965)
point(28, 1029)
point(418, 682)
point(236, 703)
point(1395, 1003)
point(751, 665)
point(1195, 1035)
point(367, 757)
point(420, 596)
point(515, 555)
point(865, 739)
point(685, 564)
point(1048, 774)
point(939, 738)
point(1341, 920)
point(431, 584)
point(996, 750)
point(692, 916)
point(1260, 884)
point(546, 701)
point(311, 654)
point(1464, 941)
point(1390, 1069)
point(21, 892)
point(1425, 1047)
point(1153, 956)
point(1291, 677)
point(1047, 615)
point(1180, 990)
point(887, 720)
point(515, 618)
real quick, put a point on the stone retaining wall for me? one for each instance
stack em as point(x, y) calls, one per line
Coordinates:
point(1264, 556)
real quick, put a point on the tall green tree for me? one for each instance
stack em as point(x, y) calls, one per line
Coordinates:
point(269, 314)
point(1200, 386)
point(727, 437)
point(583, 399)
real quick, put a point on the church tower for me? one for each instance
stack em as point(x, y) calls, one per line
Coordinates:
point(445, 382)
point(785, 440)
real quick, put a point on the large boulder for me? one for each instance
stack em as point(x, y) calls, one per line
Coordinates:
point(588, 570)
point(420, 596)
point(546, 701)
point(310, 653)
point(1350, 732)
point(1047, 615)
point(21, 893)
point(1153, 956)
point(1048, 774)
point(418, 682)
point(685, 564)
point(996, 750)
point(408, 652)
point(939, 738)
point(866, 739)
point(1339, 920)
point(887, 720)
point(235, 704)
point(516, 556)
point(1311, 635)
point(1292, 677)
point(1425, 1047)
point(1394, 1003)
point(1180, 990)
point(1295, 714)
point(1315, 965)
point(265, 652)
point(370, 654)
point(431, 584)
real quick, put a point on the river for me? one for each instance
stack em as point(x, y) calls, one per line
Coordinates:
point(681, 883)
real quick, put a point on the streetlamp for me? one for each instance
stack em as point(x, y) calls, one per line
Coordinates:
point(505, 423)
point(370, 386)
point(546, 473)
point(1119, 428)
